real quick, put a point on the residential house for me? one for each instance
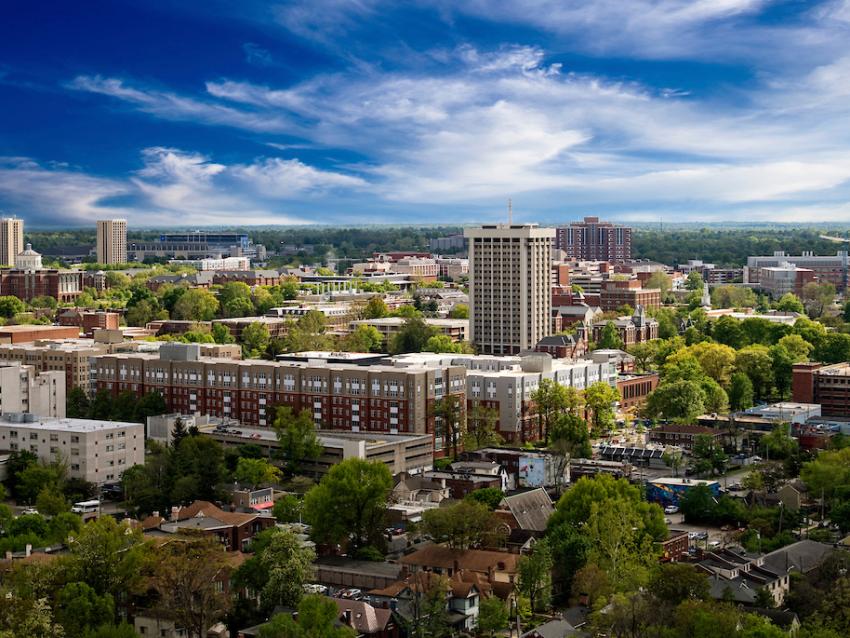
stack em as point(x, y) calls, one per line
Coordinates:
point(233, 529)
point(682, 436)
point(499, 569)
point(555, 628)
point(740, 576)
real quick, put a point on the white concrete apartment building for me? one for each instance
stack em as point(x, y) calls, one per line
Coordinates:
point(112, 241)
point(11, 240)
point(96, 451)
point(510, 280)
point(507, 383)
point(23, 389)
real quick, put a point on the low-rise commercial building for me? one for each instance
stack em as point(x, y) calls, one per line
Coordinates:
point(26, 333)
point(96, 451)
point(783, 279)
point(399, 452)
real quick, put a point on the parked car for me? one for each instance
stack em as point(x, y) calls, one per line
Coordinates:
point(28, 511)
point(671, 509)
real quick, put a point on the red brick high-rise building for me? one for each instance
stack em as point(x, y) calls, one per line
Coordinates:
point(595, 240)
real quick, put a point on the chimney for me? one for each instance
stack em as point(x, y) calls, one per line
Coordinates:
point(28, 550)
point(8, 554)
point(348, 618)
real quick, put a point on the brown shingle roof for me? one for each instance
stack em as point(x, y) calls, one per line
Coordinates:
point(365, 618)
point(477, 560)
point(205, 508)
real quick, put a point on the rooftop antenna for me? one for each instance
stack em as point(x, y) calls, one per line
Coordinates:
point(510, 212)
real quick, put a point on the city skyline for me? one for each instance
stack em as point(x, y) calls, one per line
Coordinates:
point(364, 112)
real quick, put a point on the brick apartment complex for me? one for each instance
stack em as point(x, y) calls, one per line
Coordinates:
point(349, 397)
point(389, 327)
point(63, 285)
point(26, 333)
point(506, 384)
point(828, 385)
point(595, 240)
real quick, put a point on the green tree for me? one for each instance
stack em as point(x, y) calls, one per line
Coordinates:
point(232, 291)
point(534, 576)
point(364, 338)
point(349, 504)
point(221, 334)
point(77, 403)
point(727, 330)
point(51, 503)
point(288, 509)
point(375, 308)
point(492, 616)
point(600, 398)
point(740, 392)
point(694, 281)
point(756, 363)
point(450, 417)
point(196, 304)
point(674, 460)
point(489, 496)
point(459, 311)
point(289, 565)
point(255, 472)
point(681, 401)
point(79, 608)
point(463, 525)
point(481, 427)
point(833, 348)
point(708, 455)
point(150, 404)
point(107, 556)
point(297, 437)
point(698, 505)
point(610, 339)
point(186, 581)
point(817, 297)
point(789, 302)
point(255, 338)
point(412, 336)
point(11, 306)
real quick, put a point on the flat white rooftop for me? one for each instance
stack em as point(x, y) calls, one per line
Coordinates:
point(65, 425)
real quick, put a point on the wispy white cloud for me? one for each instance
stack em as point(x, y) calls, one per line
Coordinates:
point(257, 55)
point(172, 106)
point(172, 187)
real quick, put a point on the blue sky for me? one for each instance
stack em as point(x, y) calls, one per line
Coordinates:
point(424, 111)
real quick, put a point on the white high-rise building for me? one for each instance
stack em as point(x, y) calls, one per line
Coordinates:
point(510, 286)
point(11, 240)
point(111, 241)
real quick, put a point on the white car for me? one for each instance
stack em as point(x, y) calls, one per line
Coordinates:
point(671, 509)
point(28, 511)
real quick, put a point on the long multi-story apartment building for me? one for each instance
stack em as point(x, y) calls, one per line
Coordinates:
point(510, 280)
point(96, 451)
point(506, 384)
point(595, 240)
point(340, 396)
point(833, 269)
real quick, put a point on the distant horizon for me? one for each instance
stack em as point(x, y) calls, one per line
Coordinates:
point(376, 112)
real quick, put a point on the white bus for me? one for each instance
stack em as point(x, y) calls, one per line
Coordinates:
point(86, 507)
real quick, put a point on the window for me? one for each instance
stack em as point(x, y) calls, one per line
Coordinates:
point(75, 439)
